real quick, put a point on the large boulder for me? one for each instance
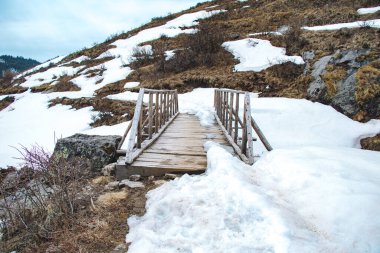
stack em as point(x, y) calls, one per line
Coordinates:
point(100, 150)
point(347, 81)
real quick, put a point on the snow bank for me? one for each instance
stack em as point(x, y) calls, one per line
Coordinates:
point(257, 55)
point(28, 121)
point(289, 123)
point(301, 200)
point(129, 85)
point(124, 47)
point(363, 11)
point(199, 102)
point(335, 192)
point(221, 211)
point(49, 75)
point(374, 23)
point(169, 54)
point(43, 65)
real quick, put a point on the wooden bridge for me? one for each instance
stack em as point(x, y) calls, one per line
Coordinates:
point(162, 140)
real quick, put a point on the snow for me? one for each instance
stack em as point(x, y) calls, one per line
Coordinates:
point(29, 122)
point(306, 123)
point(199, 102)
point(118, 129)
point(130, 85)
point(374, 23)
point(126, 95)
point(49, 76)
point(43, 65)
point(80, 59)
point(169, 54)
point(124, 47)
point(316, 192)
point(257, 55)
point(221, 211)
point(265, 33)
point(363, 11)
point(298, 200)
point(212, 6)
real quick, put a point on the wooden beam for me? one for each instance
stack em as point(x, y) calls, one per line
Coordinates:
point(247, 115)
point(125, 135)
point(147, 143)
point(150, 115)
point(135, 123)
point(231, 141)
point(236, 113)
point(261, 136)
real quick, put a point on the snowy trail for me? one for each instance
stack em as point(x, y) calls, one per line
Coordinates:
point(316, 192)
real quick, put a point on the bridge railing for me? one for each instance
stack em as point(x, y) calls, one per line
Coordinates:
point(238, 130)
point(149, 121)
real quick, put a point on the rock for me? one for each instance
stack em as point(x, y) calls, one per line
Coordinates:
point(343, 98)
point(170, 176)
point(100, 150)
point(151, 178)
point(135, 178)
point(131, 184)
point(109, 170)
point(371, 143)
point(121, 248)
point(112, 186)
point(159, 182)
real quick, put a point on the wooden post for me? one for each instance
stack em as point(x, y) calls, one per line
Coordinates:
point(162, 110)
point(156, 118)
point(139, 130)
point(230, 117)
point(176, 102)
point(226, 111)
point(247, 113)
point(244, 134)
point(236, 118)
point(223, 107)
point(150, 115)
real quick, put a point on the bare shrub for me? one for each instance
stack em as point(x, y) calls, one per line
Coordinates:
point(7, 78)
point(200, 49)
point(286, 70)
point(294, 42)
point(141, 56)
point(43, 195)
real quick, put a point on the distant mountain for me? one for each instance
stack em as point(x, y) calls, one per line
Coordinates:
point(16, 64)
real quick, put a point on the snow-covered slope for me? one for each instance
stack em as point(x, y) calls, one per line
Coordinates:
point(315, 192)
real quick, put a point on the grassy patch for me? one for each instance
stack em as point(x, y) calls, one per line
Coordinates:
point(5, 102)
point(368, 82)
point(332, 76)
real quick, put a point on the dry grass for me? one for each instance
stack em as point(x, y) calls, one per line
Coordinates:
point(110, 198)
point(101, 180)
point(371, 143)
point(5, 102)
point(12, 90)
point(367, 82)
point(332, 76)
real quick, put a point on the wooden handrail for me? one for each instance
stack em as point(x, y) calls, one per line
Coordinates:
point(149, 121)
point(226, 103)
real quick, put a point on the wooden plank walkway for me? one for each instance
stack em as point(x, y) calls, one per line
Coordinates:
point(178, 150)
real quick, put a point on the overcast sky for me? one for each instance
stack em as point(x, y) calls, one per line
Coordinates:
point(43, 29)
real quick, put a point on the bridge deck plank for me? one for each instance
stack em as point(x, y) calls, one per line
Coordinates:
point(180, 149)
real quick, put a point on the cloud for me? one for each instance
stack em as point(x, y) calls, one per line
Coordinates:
point(43, 29)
